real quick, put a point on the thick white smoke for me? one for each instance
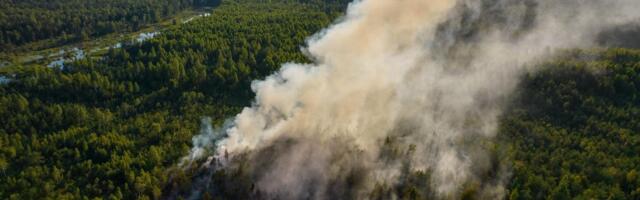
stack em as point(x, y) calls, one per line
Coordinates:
point(429, 74)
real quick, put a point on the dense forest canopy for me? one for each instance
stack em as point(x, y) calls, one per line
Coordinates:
point(574, 128)
point(114, 128)
point(65, 21)
point(111, 127)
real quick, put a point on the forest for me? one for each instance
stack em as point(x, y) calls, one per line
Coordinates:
point(574, 128)
point(111, 128)
point(64, 21)
point(115, 127)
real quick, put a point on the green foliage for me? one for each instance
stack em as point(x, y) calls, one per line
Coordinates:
point(575, 128)
point(112, 128)
point(66, 21)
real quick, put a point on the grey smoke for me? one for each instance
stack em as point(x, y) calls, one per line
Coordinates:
point(204, 142)
point(401, 86)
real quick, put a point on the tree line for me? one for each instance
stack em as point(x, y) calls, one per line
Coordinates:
point(112, 127)
point(115, 127)
point(65, 21)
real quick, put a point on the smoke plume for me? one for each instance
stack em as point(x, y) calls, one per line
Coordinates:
point(397, 87)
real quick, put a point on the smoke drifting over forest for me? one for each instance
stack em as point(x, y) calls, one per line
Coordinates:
point(397, 87)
